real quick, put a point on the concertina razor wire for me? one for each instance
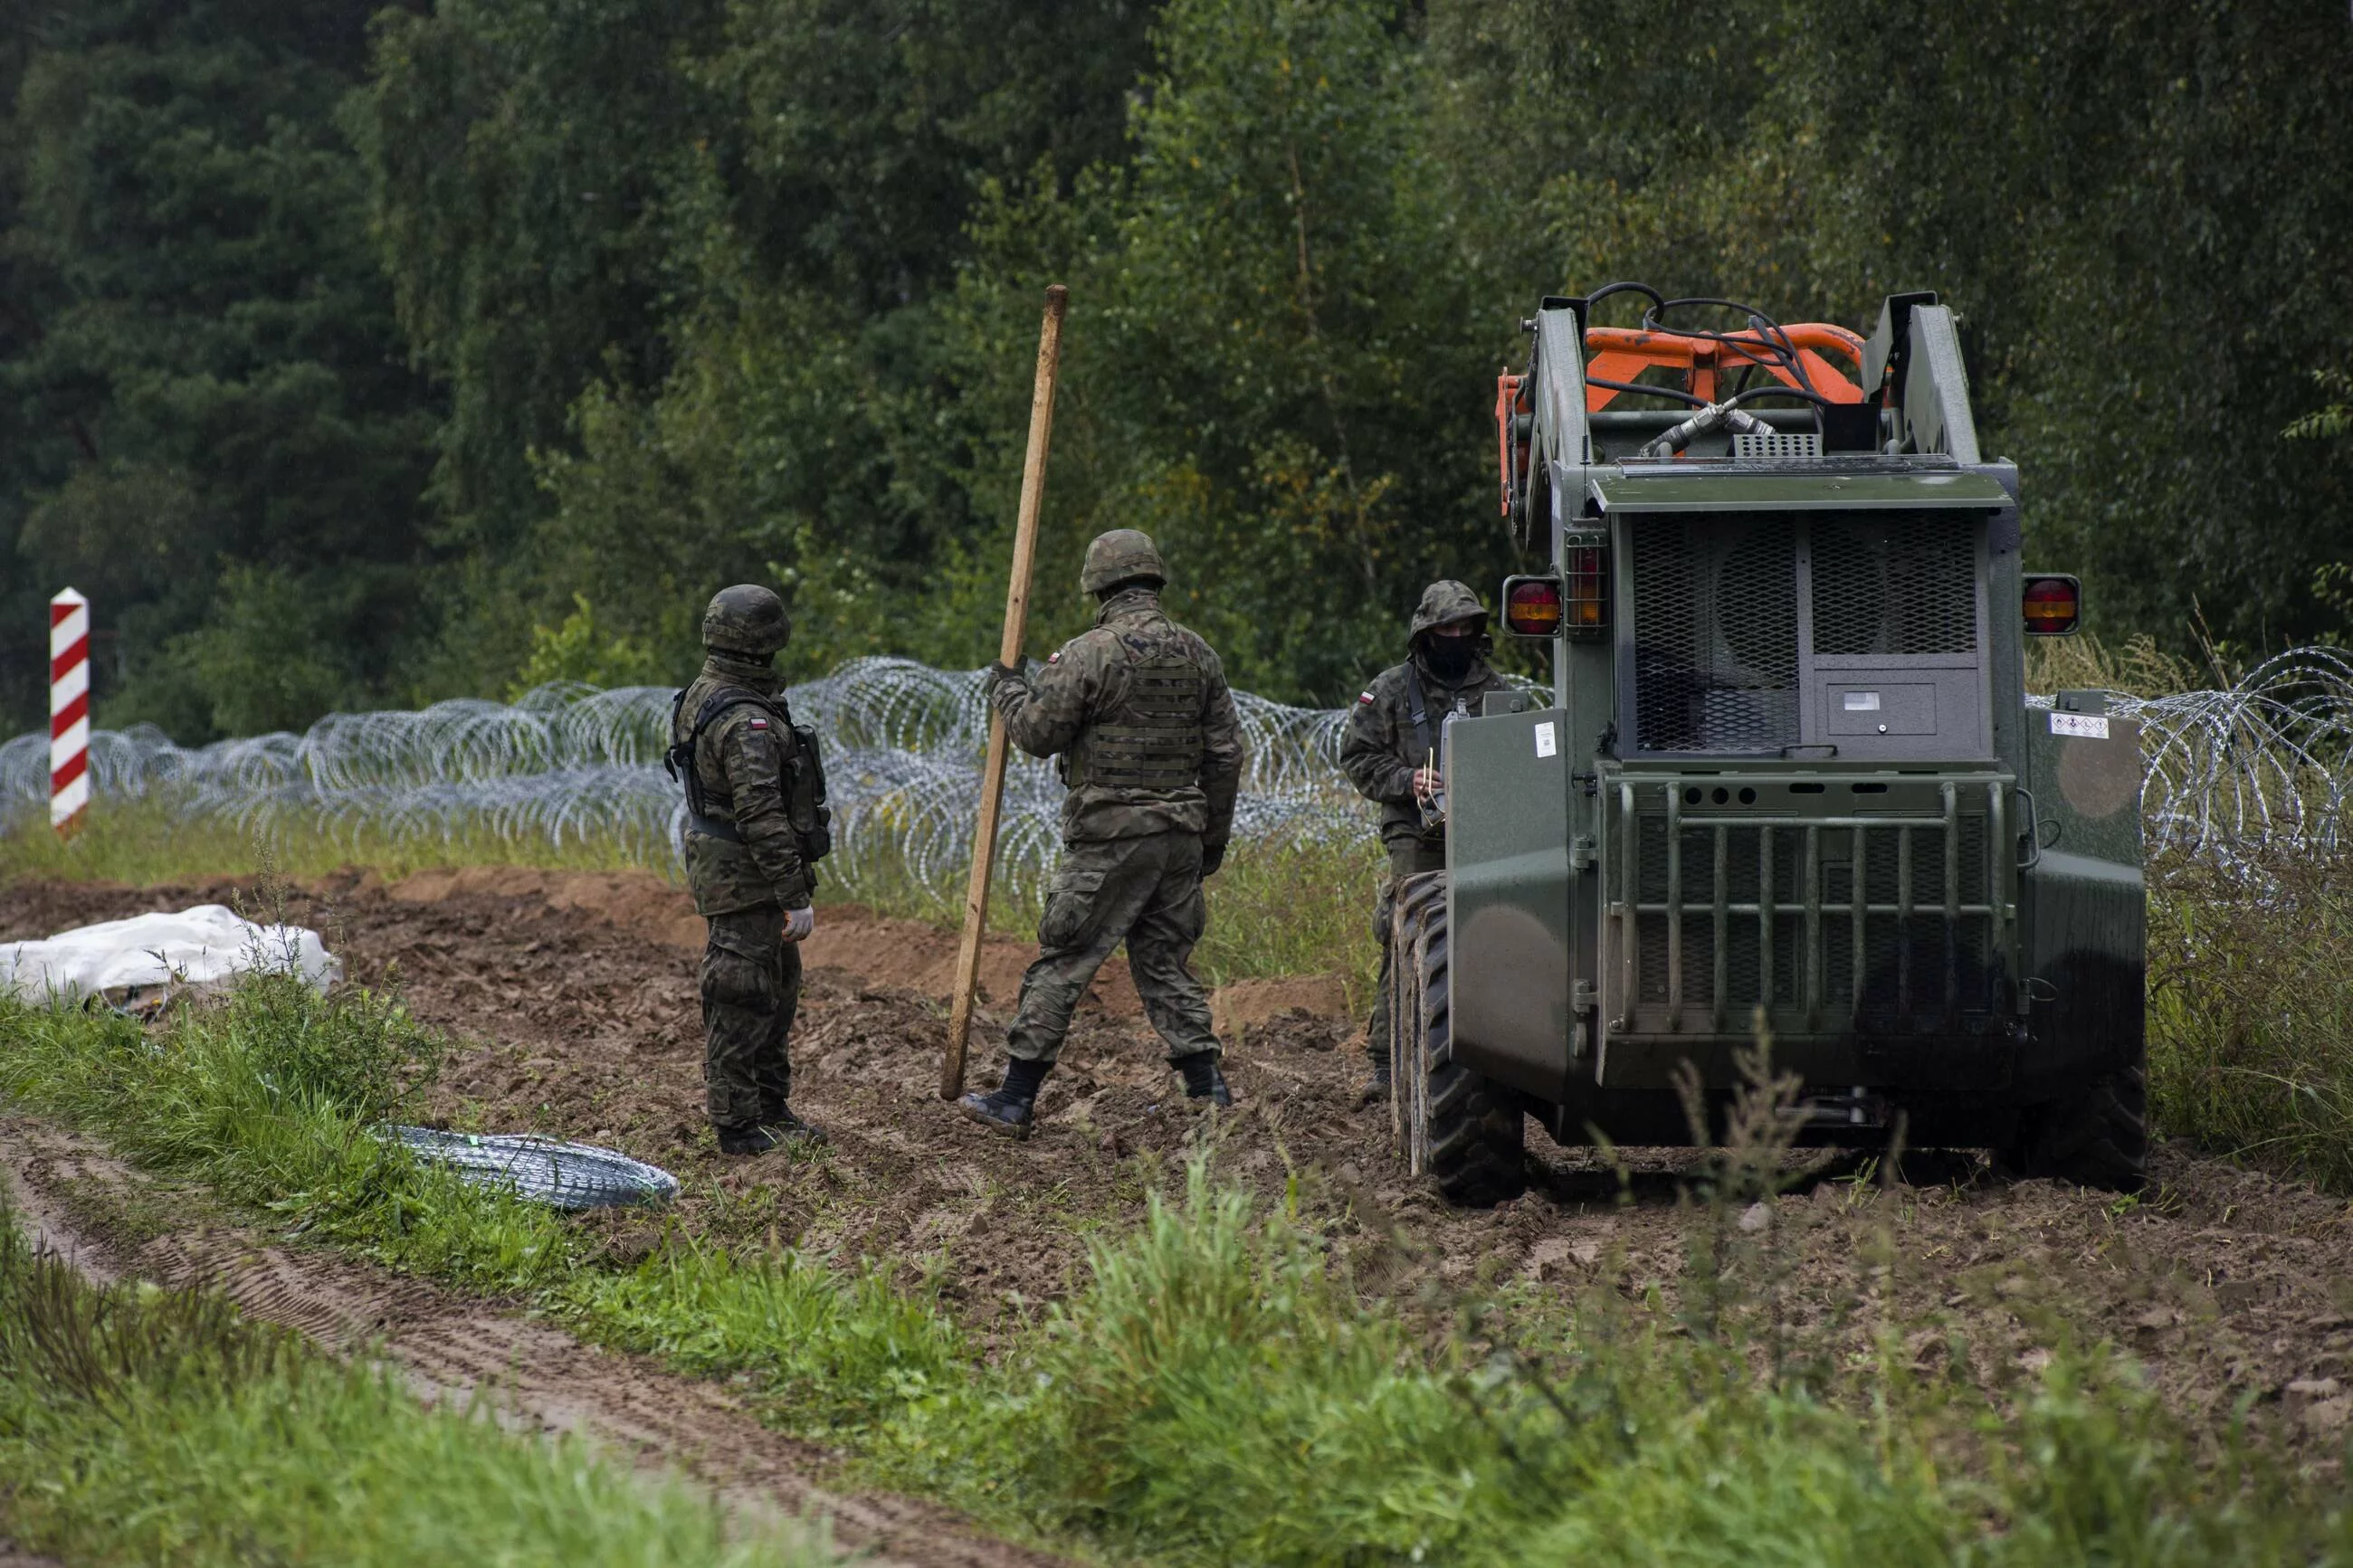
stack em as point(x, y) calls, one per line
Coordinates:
point(2264, 765)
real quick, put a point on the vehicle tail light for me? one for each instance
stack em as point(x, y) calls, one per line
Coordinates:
point(1584, 577)
point(1532, 606)
point(2054, 605)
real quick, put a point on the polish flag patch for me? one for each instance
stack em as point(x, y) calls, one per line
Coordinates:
point(759, 723)
point(1054, 657)
point(1366, 698)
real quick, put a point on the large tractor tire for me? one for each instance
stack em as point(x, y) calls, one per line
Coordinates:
point(1465, 1132)
point(2096, 1138)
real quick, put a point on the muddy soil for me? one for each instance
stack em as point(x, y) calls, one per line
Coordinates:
point(573, 999)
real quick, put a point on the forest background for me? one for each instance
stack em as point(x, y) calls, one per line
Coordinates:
point(355, 357)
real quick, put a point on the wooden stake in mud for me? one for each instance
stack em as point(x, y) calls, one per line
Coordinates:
point(1016, 628)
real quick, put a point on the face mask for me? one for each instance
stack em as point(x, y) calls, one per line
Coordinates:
point(1450, 658)
point(759, 674)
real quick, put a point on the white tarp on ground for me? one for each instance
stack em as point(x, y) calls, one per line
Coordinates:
point(143, 960)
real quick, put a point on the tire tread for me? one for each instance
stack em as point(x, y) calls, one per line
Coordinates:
point(2099, 1138)
point(1475, 1128)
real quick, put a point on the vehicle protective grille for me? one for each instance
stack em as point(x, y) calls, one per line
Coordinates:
point(1895, 583)
point(1716, 634)
point(1715, 915)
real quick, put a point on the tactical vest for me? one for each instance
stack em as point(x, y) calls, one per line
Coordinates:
point(1151, 737)
point(806, 805)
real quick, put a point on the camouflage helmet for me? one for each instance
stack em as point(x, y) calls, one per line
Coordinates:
point(1122, 555)
point(745, 619)
point(1446, 603)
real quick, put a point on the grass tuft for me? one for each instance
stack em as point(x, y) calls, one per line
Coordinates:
point(268, 1096)
point(1217, 1392)
point(138, 1424)
point(822, 1352)
point(2250, 1011)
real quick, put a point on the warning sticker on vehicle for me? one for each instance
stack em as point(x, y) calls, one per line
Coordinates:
point(2086, 726)
point(1547, 739)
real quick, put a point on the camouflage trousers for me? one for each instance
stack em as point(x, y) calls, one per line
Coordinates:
point(750, 989)
point(1407, 857)
point(1145, 891)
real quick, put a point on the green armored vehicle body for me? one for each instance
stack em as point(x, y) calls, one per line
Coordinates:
point(1791, 782)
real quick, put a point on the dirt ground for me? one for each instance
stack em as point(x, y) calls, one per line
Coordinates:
point(573, 999)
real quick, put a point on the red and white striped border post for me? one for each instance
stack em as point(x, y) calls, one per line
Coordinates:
point(69, 711)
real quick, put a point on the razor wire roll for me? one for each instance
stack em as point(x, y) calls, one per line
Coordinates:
point(540, 1170)
point(2266, 764)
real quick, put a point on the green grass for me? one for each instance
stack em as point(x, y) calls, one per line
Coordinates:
point(1218, 1391)
point(1295, 908)
point(146, 1426)
point(2250, 1011)
point(267, 1098)
point(147, 841)
point(1277, 908)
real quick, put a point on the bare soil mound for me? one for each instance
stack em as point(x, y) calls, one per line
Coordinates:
point(2226, 1283)
point(883, 949)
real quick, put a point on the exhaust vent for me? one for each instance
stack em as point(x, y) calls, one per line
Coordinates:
point(1895, 583)
point(1716, 634)
point(1771, 446)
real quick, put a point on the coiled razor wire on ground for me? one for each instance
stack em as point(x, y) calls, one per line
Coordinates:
point(544, 1170)
point(2266, 764)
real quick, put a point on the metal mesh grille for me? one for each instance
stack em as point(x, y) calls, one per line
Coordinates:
point(1744, 943)
point(1910, 981)
point(1716, 634)
point(1895, 583)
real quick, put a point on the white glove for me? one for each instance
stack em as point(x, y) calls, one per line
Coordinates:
point(798, 923)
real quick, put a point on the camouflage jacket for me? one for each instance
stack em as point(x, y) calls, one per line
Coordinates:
point(1104, 701)
point(1382, 748)
point(741, 761)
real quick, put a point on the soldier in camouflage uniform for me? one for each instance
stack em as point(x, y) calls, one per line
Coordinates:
point(1390, 755)
point(745, 863)
point(1139, 715)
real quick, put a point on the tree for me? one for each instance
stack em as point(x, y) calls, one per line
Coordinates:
point(1276, 366)
point(813, 428)
point(220, 437)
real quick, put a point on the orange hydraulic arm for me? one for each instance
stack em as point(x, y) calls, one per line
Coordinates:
point(1621, 353)
point(1508, 458)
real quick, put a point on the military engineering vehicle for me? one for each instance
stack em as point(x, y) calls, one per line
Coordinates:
point(1790, 781)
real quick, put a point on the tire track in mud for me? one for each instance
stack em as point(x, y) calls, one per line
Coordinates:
point(531, 1377)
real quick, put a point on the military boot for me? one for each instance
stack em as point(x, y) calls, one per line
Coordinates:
point(1377, 1091)
point(1202, 1079)
point(1013, 1107)
point(788, 1128)
point(746, 1140)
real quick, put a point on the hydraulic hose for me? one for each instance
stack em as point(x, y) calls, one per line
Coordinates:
point(1727, 413)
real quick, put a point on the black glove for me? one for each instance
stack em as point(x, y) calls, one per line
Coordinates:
point(996, 675)
point(1211, 858)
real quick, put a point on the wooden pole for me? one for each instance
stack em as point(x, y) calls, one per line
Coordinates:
point(1016, 628)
